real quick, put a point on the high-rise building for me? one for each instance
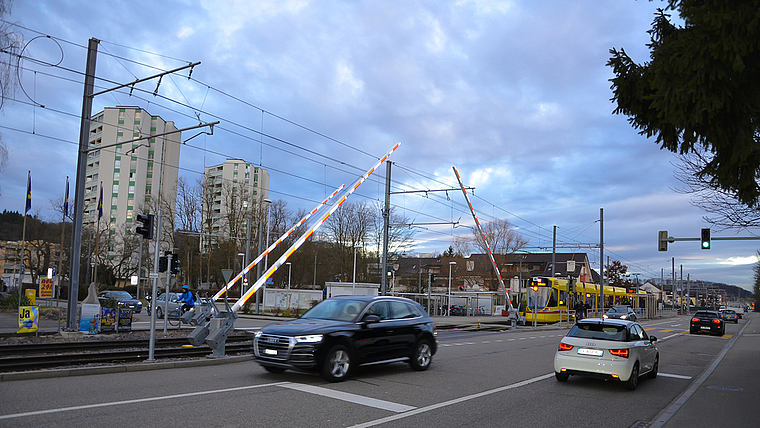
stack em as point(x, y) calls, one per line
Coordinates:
point(135, 171)
point(234, 190)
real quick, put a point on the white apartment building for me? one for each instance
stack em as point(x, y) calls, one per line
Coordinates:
point(237, 184)
point(134, 174)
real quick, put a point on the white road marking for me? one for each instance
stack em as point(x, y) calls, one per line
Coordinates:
point(138, 400)
point(351, 398)
point(436, 406)
point(675, 376)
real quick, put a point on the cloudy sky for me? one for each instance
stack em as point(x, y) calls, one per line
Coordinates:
point(514, 94)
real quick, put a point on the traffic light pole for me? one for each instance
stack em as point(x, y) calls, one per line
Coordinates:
point(154, 276)
point(664, 239)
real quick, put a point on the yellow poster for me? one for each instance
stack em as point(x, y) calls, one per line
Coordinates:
point(30, 295)
point(46, 288)
point(28, 318)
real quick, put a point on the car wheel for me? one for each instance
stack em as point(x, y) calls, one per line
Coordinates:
point(692, 332)
point(159, 312)
point(336, 364)
point(422, 357)
point(562, 377)
point(272, 369)
point(653, 374)
point(633, 381)
point(736, 321)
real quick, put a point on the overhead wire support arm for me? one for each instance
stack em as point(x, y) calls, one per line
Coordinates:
point(472, 189)
point(159, 75)
point(200, 125)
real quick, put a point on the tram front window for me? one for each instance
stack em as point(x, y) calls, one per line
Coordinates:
point(538, 299)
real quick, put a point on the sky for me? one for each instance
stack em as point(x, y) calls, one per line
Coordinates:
point(514, 94)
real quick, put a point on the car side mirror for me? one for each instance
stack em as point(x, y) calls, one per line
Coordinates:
point(371, 319)
point(652, 339)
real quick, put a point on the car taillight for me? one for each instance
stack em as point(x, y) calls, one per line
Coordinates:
point(716, 321)
point(565, 346)
point(695, 319)
point(619, 352)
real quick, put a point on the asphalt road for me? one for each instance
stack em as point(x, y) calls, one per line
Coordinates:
point(478, 379)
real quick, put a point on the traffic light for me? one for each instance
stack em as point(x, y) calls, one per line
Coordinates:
point(706, 239)
point(163, 263)
point(571, 284)
point(146, 230)
point(662, 243)
point(432, 278)
point(175, 264)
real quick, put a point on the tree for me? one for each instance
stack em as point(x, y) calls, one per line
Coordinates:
point(11, 43)
point(756, 285)
point(724, 210)
point(699, 90)
point(615, 274)
point(500, 236)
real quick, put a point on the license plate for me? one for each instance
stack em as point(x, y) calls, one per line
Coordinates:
point(594, 352)
point(270, 351)
point(705, 328)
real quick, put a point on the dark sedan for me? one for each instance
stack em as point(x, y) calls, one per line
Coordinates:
point(621, 312)
point(344, 332)
point(709, 322)
point(124, 299)
point(730, 315)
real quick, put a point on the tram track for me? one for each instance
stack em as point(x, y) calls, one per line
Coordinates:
point(39, 356)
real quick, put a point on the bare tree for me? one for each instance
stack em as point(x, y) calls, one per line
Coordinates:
point(348, 228)
point(11, 43)
point(725, 210)
point(500, 236)
point(189, 205)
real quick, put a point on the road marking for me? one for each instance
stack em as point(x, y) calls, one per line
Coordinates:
point(675, 376)
point(666, 331)
point(351, 398)
point(436, 406)
point(138, 400)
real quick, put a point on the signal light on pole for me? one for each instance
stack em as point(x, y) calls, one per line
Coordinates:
point(163, 263)
point(705, 239)
point(146, 230)
point(175, 264)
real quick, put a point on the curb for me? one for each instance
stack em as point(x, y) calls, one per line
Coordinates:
point(125, 368)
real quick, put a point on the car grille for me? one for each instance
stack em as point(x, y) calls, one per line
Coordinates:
point(282, 344)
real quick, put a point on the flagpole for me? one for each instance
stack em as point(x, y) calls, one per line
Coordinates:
point(27, 207)
point(97, 235)
point(59, 273)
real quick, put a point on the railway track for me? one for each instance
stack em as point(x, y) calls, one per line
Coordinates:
point(26, 357)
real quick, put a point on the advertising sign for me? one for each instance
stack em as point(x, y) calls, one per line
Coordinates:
point(125, 320)
point(89, 321)
point(108, 320)
point(30, 295)
point(28, 318)
point(46, 288)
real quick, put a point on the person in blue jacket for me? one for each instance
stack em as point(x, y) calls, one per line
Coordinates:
point(187, 298)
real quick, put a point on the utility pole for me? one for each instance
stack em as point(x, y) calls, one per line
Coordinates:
point(386, 225)
point(84, 135)
point(601, 257)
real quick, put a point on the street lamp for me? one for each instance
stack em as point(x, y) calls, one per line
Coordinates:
point(266, 260)
point(353, 286)
point(448, 308)
point(242, 283)
point(289, 267)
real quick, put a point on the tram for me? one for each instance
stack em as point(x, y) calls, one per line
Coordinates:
point(549, 298)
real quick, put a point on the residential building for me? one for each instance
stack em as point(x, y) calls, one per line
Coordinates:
point(235, 190)
point(135, 172)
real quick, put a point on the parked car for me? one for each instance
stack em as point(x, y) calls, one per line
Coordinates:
point(125, 300)
point(607, 349)
point(730, 315)
point(621, 312)
point(162, 308)
point(707, 321)
point(344, 332)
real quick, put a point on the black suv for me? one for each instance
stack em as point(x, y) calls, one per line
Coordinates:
point(347, 331)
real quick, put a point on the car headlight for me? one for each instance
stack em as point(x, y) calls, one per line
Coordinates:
point(605, 316)
point(313, 338)
point(257, 334)
point(622, 317)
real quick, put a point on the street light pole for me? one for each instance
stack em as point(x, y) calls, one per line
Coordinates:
point(448, 304)
point(353, 287)
point(266, 261)
point(289, 268)
point(242, 285)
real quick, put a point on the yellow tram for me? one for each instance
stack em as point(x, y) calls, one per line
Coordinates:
point(549, 298)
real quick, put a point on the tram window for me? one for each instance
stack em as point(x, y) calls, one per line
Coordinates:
point(553, 297)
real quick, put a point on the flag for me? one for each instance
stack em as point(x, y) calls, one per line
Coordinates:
point(100, 202)
point(28, 193)
point(66, 200)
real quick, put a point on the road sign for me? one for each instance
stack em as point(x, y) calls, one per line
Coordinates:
point(153, 275)
point(227, 274)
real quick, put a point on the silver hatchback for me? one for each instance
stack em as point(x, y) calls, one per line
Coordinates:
point(607, 349)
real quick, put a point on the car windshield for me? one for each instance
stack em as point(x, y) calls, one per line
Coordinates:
point(598, 331)
point(706, 315)
point(729, 311)
point(622, 309)
point(336, 309)
point(120, 295)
